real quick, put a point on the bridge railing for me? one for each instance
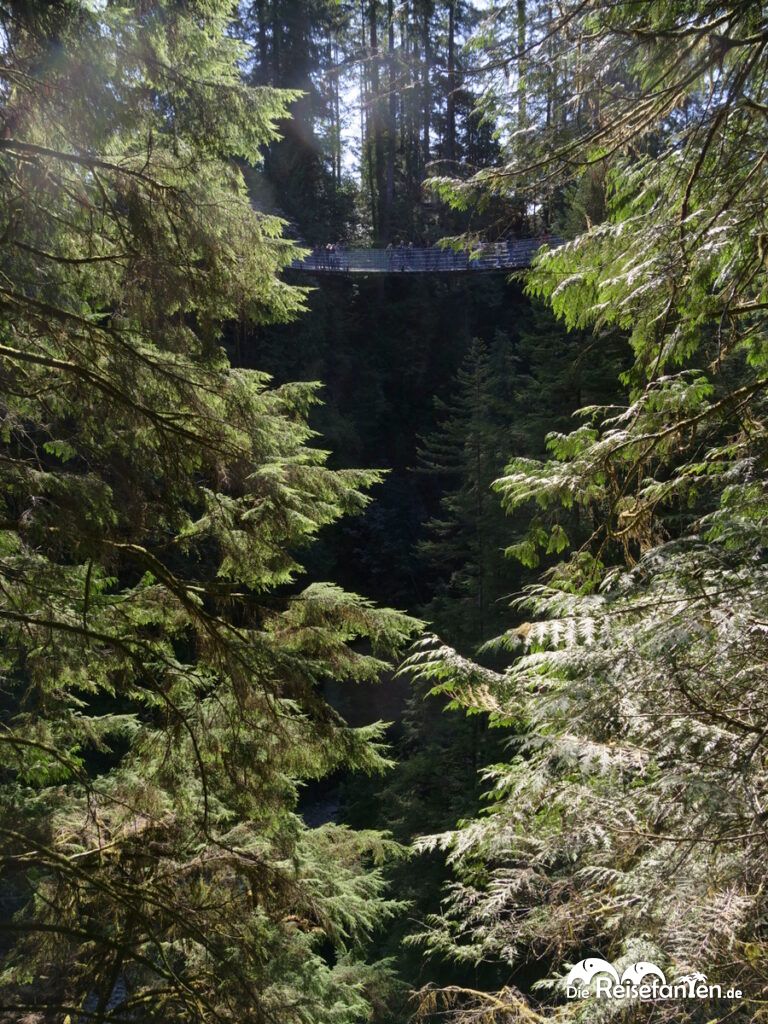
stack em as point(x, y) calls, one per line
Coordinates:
point(405, 259)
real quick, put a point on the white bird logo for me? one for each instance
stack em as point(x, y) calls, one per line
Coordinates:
point(634, 974)
point(585, 970)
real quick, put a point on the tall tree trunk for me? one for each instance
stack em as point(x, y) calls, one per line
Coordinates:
point(276, 34)
point(375, 119)
point(522, 85)
point(261, 19)
point(552, 76)
point(389, 196)
point(409, 129)
point(336, 114)
point(366, 142)
point(426, 97)
point(450, 114)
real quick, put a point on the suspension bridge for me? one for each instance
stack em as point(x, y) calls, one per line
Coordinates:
point(405, 259)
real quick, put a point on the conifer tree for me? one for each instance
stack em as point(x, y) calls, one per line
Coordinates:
point(464, 540)
point(629, 821)
point(161, 663)
point(506, 396)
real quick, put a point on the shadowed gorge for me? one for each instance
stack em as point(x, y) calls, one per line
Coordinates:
point(383, 578)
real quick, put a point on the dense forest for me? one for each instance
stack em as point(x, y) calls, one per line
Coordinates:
point(383, 646)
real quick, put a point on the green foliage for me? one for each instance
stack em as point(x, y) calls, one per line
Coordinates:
point(161, 667)
point(506, 396)
point(467, 452)
point(629, 818)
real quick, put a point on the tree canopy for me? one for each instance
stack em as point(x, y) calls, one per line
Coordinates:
point(162, 698)
point(631, 815)
point(199, 694)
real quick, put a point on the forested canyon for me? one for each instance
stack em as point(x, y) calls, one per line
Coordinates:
point(382, 613)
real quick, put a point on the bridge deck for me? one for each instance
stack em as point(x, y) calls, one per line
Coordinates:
point(490, 256)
